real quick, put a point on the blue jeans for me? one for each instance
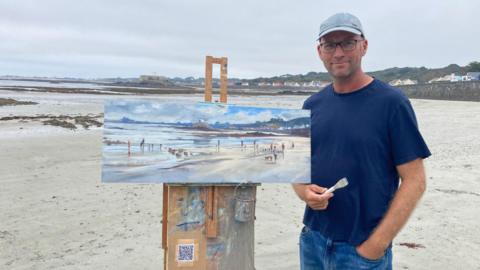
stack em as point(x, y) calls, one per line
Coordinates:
point(320, 253)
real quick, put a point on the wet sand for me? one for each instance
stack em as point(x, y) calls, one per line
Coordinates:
point(218, 165)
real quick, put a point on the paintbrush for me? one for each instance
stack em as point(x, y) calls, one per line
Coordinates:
point(340, 184)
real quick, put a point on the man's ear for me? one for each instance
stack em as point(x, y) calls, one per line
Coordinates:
point(318, 50)
point(364, 47)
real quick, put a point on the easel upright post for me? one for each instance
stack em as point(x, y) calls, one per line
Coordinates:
point(223, 79)
point(208, 78)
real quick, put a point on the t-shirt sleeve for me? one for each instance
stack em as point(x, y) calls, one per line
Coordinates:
point(306, 105)
point(406, 140)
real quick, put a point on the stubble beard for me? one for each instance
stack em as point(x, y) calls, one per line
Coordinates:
point(343, 75)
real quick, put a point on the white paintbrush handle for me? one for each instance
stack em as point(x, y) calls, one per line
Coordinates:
point(332, 189)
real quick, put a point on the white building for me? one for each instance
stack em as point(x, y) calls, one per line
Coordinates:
point(473, 76)
point(264, 84)
point(452, 78)
point(403, 82)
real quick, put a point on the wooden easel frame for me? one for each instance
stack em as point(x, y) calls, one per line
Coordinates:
point(214, 196)
point(223, 62)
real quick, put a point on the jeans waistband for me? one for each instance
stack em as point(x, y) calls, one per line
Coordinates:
point(328, 241)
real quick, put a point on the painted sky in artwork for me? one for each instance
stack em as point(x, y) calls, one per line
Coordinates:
point(150, 111)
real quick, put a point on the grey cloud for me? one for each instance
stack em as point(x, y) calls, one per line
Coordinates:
point(261, 38)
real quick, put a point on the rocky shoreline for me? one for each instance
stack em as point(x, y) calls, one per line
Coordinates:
point(65, 121)
point(13, 102)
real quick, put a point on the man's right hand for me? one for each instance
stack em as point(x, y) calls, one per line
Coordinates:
point(313, 195)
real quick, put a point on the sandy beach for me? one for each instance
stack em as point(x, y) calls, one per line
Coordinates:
point(56, 214)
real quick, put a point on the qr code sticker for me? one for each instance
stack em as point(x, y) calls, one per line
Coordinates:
point(185, 252)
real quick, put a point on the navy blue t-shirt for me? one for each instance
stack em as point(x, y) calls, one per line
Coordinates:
point(362, 135)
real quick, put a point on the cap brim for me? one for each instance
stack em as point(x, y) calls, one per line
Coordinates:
point(340, 28)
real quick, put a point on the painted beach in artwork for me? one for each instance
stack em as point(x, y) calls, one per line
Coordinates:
point(148, 141)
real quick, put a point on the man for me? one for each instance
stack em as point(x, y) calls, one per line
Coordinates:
point(365, 130)
point(142, 144)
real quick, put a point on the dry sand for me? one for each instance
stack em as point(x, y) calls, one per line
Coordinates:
point(56, 214)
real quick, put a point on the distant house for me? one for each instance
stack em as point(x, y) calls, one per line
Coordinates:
point(473, 76)
point(309, 84)
point(446, 78)
point(451, 78)
point(403, 82)
point(277, 84)
point(457, 78)
point(462, 78)
point(264, 84)
point(294, 84)
point(153, 79)
point(322, 83)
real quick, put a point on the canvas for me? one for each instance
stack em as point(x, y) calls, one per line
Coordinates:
point(148, 141)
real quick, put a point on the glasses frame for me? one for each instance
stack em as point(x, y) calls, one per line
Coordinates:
point(339, 44)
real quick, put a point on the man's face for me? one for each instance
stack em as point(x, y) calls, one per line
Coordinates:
point(340, 63)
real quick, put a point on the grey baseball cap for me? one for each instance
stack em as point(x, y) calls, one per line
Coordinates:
point(341, 22)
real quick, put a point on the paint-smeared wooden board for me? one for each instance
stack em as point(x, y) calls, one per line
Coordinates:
point(231, 249)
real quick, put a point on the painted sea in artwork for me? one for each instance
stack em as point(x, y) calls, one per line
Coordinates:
point(150, 141)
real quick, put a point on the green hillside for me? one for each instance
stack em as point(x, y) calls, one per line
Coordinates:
point(420, 74)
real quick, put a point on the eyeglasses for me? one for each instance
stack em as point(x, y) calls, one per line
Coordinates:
point(347, 45)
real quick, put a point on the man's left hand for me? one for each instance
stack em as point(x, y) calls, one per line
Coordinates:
point(370, 251)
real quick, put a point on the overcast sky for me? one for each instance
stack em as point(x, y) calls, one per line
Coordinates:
point(118, 38)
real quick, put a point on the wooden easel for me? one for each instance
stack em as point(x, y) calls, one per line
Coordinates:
point(201, 229)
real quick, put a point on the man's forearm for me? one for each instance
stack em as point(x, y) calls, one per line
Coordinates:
point(299, 190)
point(402, 206)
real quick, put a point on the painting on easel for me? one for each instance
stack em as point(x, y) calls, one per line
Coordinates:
point(148, 141)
